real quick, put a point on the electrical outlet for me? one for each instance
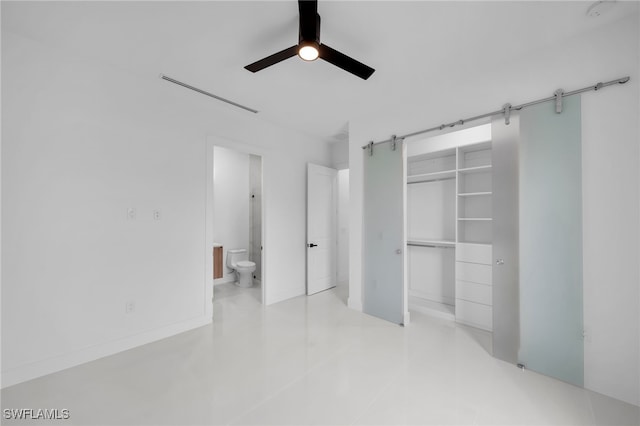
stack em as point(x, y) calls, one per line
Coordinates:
point(129, 307)
point(156, 214)
point(131, 213)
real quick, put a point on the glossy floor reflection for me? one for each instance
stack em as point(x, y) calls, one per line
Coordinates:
point(311, 360)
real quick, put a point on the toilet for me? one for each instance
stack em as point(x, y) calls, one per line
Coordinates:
point(237, 260)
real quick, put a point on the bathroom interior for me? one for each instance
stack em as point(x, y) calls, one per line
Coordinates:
point(237, 225)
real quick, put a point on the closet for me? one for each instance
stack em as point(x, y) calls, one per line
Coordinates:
point(484, 227)
point(449, 227)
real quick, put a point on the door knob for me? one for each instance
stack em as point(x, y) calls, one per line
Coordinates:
point(312, 245)
point(499, 262)
point(399, 251)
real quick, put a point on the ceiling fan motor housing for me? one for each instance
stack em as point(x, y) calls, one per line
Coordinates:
point(309, 30)
point(309, 21)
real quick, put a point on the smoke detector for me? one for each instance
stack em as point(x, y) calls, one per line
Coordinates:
point(600, 7)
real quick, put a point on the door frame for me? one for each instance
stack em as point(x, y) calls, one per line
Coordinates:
point(334, 247)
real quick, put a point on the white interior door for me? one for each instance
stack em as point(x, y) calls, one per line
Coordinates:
point(321, 228)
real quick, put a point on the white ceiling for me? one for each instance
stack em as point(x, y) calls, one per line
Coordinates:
point(412, 45)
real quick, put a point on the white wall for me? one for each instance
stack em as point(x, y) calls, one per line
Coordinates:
point(611, 181)
point(340, 155)
point(340, 160)
point(343, 227)
point(230, 203)
point(82, 142)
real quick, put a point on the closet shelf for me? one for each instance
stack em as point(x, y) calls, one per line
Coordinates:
point(431, 243)
point(475, 218)
point(475, 243)
point(418, 302)
point(477, 169)
point(430, 177)
point(473, 194)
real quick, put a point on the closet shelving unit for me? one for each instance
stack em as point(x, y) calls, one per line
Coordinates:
point(449, 229)
point(473, 269)
point(474, 191)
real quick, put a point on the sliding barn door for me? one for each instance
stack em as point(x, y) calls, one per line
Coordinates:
point(506, 292)
point(537, 234)
point(551, 322)
point(384, 236)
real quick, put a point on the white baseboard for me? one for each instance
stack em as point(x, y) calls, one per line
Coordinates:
point(354, 304)
point(432, 308)
point(224, 280)
point(282, 296)
point(43, 367)
point(406, 319)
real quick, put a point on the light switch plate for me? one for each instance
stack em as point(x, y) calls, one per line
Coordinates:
point(131, 213)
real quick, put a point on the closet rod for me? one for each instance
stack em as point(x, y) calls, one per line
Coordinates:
point(506, 110)
point(430, 180)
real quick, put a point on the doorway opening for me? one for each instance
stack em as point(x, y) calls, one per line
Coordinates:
point(328, 231)
point(449, 226)
point(237, 230)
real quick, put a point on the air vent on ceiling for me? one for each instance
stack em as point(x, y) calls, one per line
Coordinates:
point(204, 92)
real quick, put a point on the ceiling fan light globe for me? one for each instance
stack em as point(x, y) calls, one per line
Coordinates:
point(308, 52)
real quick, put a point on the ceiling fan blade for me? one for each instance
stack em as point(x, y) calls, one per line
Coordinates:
point(273, 59)
point(309, 20)
point(345, 62)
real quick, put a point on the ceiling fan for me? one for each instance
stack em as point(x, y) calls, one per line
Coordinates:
point(309, 47)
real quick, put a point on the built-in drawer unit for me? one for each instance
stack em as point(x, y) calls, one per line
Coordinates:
point(474, 272)
point(473, 292)
point(474, 314)
point(474, 285)
point(473, 253)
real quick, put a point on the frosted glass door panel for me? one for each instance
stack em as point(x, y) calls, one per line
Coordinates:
point(384, 239)
point(506, 300)
point(551, 321)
